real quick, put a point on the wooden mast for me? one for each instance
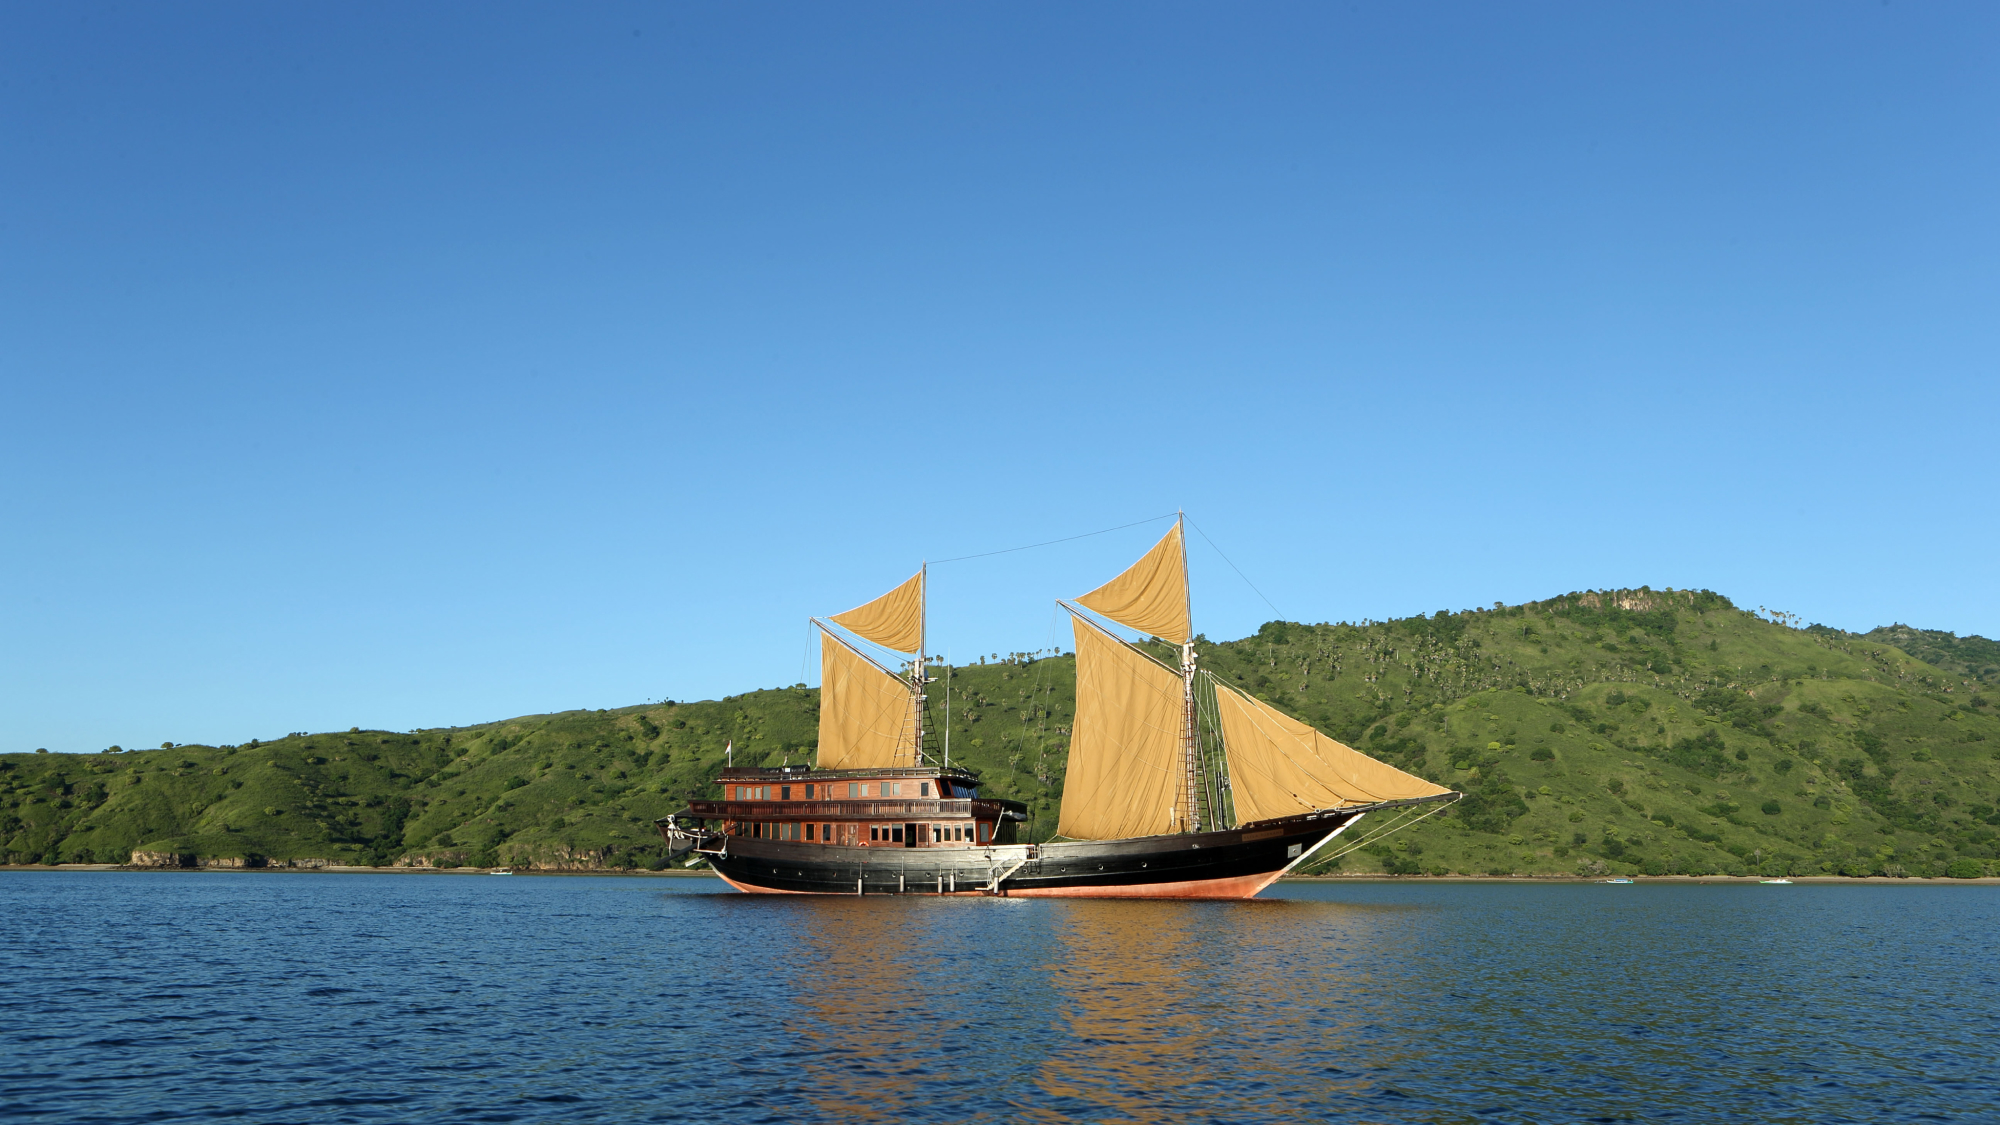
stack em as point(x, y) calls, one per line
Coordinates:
point(917, 666)
point(1190, 732)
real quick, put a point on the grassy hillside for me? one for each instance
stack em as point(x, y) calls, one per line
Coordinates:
point(1655, 731)
point(1623, 731)
point(1972, 658)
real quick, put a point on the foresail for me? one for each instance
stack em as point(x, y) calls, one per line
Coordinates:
point(867, 717)
point(1152, 595)
point(1125, 748)
point(1279, 766)
point(895, 620)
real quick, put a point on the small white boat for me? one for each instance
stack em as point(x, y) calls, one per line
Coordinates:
point(1619, 879)
point(501, 871)
point(1776, 882)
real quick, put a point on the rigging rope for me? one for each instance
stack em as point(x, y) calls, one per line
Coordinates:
point(1237, 569)
point(1395, 826)
point(1065, 539)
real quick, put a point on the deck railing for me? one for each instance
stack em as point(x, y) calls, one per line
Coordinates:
point(842, 810)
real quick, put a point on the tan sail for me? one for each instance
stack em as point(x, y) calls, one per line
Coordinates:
point(1279, 766)
point(1152, 595)
point(1125, 750)
point(867, 717)
point(895, 620)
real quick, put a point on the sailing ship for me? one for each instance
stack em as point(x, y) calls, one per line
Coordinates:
point(1156, 803)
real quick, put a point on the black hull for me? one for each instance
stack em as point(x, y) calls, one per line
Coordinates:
point(1232, 864)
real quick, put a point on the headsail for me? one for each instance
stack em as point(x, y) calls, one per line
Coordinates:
point(1152, 595)
point(895, 620)
point(867, 716)
point(1279, 766)
point(1125, 752)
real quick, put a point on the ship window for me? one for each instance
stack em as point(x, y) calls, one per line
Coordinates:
point(896, 835)
point(874, 832)
point(982, 832)
point(784, 793)
point(809, 831)
point(853, 789)
point(923, 788)
point(809, 792)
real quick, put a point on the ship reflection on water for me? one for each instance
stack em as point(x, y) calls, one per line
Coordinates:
point(1184, 1005)
point(1097, 1010)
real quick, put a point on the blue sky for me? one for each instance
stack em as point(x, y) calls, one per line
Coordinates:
point(415, 365)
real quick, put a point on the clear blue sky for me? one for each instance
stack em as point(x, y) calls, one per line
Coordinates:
point(412, 365)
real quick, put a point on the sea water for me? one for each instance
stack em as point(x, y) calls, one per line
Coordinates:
point(265, 997)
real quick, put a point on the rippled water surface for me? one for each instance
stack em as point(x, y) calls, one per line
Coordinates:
point(303, 997)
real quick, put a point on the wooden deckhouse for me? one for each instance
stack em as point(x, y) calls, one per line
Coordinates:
point(898, 808)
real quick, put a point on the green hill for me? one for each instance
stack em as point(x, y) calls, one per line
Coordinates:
point(1612, 731)
point(1972, 658)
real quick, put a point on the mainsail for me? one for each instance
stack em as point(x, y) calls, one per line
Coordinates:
point(1280, 767)
point(1124, 752)
point(869, 717)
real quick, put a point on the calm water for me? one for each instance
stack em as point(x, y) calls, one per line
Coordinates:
point(269, 998)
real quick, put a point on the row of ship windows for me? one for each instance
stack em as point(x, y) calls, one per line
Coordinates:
point(978, 832)
point(830, 790)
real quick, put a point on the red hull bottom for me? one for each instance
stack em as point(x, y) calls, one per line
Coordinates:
point(1239, 887)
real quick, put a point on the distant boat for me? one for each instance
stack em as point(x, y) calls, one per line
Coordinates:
point(501, 871)
point(1785, 882)
point(1619, 879)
